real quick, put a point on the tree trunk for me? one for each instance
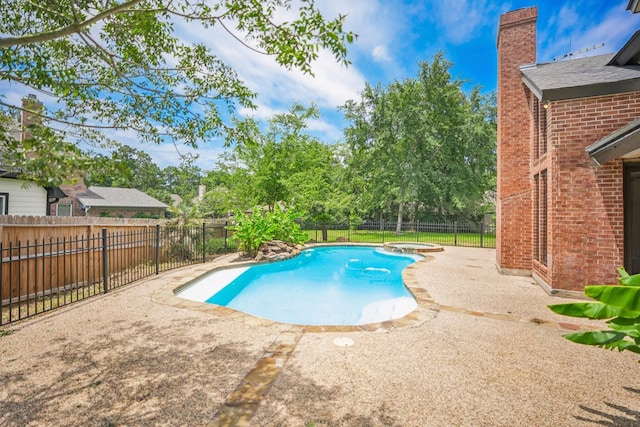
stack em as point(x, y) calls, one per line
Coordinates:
point(399, 222)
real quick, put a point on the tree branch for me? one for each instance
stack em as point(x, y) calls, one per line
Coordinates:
point(68, 30)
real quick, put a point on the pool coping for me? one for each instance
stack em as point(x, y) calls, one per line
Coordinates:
point(427, 308)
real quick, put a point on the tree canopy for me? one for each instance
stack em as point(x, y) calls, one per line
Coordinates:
point(422, 145)
point(120, 65)
point(283, 164)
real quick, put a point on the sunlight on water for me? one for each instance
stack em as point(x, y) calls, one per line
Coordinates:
point(332, 285)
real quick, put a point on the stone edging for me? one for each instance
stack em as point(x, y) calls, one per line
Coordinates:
point(427, 309)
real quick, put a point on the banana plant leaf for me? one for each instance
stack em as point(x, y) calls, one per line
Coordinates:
point(625, 297)
point(631, 327)
point(626, 279)
point(591, 310)
point(622, 272)
point(630, 280)
point(606, 339)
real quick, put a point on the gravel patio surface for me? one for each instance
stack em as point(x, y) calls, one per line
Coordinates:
point(128, 359)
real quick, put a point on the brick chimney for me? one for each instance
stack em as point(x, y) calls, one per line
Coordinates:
point(30, 106)
point(516, 47)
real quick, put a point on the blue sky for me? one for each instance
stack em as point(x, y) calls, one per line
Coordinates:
point(393, 36)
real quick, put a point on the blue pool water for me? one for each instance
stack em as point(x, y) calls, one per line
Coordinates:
point(331, 285)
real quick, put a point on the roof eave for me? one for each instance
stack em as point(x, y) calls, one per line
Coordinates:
point(532, 86)
point(123, 207)
point(586, 91)
point(617, 144)
point(628, 51)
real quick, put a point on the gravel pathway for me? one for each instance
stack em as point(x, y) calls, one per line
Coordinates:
point(491, 354)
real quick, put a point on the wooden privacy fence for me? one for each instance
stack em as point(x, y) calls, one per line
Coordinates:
point(40, 275)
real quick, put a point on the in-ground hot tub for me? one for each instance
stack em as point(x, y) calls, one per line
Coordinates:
point(412, 247)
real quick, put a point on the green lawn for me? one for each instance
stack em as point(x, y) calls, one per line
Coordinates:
point(376, 236)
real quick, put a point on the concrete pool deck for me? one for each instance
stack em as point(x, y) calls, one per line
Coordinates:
point(485, 351)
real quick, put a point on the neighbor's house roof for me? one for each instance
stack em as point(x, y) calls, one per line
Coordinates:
point(111, 197)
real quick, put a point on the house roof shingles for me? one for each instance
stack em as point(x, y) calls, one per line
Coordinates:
point(579, 78)
point(118, 198)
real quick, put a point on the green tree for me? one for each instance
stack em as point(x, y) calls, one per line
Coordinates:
point(120, 64)
point(422, 146)
point(235, 178)
point(131, 168)
point(285, 163)
point(183, 180)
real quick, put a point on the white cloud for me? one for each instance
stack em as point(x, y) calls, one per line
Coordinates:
point(462, 20)
point(381, 54)
point(326, 128)
point(569, 34)
point(261, 112)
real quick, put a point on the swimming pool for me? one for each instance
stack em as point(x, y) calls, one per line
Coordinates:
point(331, 285)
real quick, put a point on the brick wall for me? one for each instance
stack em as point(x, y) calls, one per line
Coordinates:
point(72, 191)
point(586, 215)
point(516, 46)
point(29, 115)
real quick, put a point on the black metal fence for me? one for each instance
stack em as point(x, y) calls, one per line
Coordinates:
point(481, 235)
point(36, 277)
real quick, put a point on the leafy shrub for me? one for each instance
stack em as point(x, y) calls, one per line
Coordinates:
point(252, 230)
point(285, 226)
point(215, 245)
point(145, 215)
point(619, 303)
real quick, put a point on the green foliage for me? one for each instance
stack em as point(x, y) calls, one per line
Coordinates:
point(619, 303)
point(119, 65)
point(215, 245)
point(284, 164)
point(422, 146)
point(183, 179)
point(184, 214)
point(285, 227)
point(252, 230)
point(145, 215)
point(262, 226)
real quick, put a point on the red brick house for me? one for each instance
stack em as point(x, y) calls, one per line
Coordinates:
point(568, 196)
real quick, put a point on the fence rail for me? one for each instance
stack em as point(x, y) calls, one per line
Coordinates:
point(38, 276)
point(481, 235)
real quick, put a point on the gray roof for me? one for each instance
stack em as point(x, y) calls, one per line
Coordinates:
point(113, 197)
point(623, 142)
point(579, 78)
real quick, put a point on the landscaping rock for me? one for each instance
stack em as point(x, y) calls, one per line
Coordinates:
point(277, 250)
